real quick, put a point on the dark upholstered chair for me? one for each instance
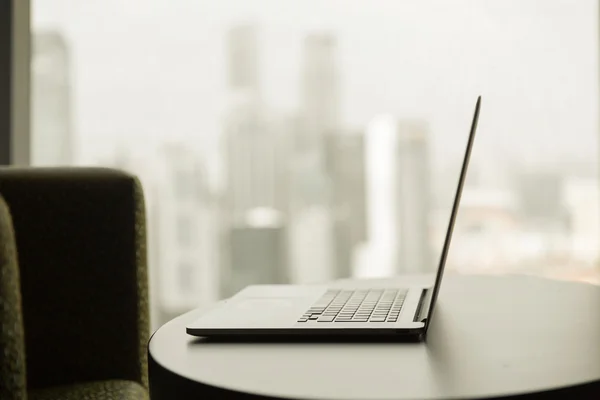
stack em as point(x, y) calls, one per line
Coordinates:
point(73, 285)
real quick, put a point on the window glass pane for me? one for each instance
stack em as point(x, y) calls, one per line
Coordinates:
point(307, 141)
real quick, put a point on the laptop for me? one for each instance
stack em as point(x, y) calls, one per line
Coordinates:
point(361, 310)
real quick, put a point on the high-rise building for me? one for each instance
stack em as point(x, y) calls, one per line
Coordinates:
point(311, 245)
point(346, 165)
point(257, 252)
point(255, 164)
point(398, 197)
point(312, 211)
point(311, 226)
point(309, 183)
point(255, 201)
point(320, 102)
point(51, 113)
point(345, 153)
point(379, 258)
point(243, 59)
point(414, 198)
point(184, 224)
point(254, 147)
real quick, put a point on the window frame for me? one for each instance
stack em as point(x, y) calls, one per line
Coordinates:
point(15, 65)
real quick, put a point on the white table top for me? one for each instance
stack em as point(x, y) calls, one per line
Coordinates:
point(490, 336)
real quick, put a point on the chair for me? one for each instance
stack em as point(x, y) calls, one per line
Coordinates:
point(73, 285)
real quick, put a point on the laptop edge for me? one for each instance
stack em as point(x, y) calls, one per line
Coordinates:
point(432, 294)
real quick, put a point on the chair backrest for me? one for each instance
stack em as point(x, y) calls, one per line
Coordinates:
point(80, 237)
point(12, 339)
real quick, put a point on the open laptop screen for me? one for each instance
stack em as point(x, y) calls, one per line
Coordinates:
point(455, 206)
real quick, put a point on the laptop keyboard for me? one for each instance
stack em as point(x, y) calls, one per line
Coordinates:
point(368, 305)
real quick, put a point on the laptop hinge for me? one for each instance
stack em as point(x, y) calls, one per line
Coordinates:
point(424, 305)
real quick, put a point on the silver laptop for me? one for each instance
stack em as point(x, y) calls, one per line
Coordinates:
point(321, 310)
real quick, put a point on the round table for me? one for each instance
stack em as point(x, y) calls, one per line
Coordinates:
point(490, 337)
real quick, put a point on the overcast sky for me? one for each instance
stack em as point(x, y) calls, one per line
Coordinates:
point(150, 69)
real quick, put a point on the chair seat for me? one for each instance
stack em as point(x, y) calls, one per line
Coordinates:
point(100, 390)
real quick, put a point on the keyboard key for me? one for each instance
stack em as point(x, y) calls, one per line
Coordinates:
point(325, 319)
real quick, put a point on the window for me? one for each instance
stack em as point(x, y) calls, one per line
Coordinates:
point(314, 108)
point(14, 96)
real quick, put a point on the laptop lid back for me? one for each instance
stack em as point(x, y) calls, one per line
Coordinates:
point(461, 180)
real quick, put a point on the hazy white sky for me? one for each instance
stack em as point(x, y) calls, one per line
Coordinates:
point(147, 69)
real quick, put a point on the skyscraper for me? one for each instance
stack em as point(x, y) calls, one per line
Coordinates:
point(320, 102)
point(253, 230)
point(255, 163)
point(186, 221)
point(257, 251)
point(255, 203)
point(398, 193)
point(243, 54)
point(382, 197)
point(312, 214)
point(254, 147)
point(312, 245)
point(51, 114)
point(414, 198)
point(346, 166)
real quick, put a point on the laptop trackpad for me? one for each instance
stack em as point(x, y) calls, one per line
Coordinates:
point(256, 312)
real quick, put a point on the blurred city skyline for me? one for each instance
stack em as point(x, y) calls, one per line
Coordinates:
point(316, 150)
point(392, 62)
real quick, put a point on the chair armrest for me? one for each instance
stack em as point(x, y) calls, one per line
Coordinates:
point(12, 338)
point(81, 240)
